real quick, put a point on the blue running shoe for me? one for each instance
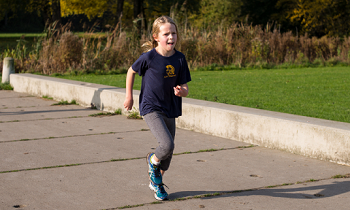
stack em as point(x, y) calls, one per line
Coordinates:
point(159, 191)
point(153, 171)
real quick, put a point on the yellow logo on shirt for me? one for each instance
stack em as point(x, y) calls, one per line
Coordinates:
point(170, 71)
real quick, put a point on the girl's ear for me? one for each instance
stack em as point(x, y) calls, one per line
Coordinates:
point(155, 37)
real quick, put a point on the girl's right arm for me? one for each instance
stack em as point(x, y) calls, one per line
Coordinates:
point(130, 77)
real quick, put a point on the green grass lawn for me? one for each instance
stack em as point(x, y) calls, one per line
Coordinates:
point(19, 35)
point(10, 40)
point(314, 92)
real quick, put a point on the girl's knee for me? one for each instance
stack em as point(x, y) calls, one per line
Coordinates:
point(167, 149)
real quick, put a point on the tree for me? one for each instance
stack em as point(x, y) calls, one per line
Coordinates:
point(49, 10)
point(21, 15)
point(319, 17)
point(110, 11)
point(91, 8)
point(120, 6)
point(138, 7)
point(341, 19)
point(258, 12)
point(139, 15)
point(56, 11)
point(7, 6)
point(214, 12)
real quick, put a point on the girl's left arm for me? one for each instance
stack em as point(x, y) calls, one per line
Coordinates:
point(181, 90)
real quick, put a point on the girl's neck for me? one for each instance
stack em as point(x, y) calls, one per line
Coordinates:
point(165, 53)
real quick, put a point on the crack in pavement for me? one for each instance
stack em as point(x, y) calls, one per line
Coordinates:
point(107, 114)
point(18, 97)
point(82, 135)
point(122, 159)
point(17, 107)
point(59, 118)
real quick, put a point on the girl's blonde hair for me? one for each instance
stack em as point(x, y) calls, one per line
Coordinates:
point(147, 46)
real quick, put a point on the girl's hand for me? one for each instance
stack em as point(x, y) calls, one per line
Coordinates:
point(181, 90)
point(128, 103)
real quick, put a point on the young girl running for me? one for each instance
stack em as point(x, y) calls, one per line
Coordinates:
point(165, 75)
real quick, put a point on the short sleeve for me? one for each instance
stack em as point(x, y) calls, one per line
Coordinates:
point(185, 75)
point(140, 65)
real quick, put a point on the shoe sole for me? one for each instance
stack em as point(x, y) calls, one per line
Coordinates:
point(151, 187)
point(155, 194)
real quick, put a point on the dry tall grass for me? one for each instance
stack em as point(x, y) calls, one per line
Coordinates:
point(246, 45)
point(241, 45)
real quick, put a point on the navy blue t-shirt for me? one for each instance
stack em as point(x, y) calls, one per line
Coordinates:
point(159, 77)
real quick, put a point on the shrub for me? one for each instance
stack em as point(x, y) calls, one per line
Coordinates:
point(235, 46)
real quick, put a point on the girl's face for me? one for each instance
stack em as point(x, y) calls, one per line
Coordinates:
point(166, 39)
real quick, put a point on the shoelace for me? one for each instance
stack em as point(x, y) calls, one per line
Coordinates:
point(162, 190)
point(156, 171)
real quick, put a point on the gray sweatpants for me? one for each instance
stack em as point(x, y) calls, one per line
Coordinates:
point(163, 129)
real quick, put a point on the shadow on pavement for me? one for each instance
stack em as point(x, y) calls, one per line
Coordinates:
point(325, 191)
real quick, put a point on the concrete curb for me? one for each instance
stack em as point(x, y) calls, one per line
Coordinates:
point(316, 138)
point(106, 98)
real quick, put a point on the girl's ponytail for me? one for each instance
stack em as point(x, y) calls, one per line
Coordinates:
point(147, 46)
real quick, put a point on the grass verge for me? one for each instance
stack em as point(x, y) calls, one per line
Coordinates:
point(48, 97)
point(19, 35)
point(117, 112)
point(5, 86)
point(134, 114)
point(73, 102)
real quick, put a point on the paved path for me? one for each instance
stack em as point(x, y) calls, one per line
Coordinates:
point(59, 157)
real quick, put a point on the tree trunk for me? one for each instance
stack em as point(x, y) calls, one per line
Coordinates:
point(56, 12)
point(144, 20)
point(46, 13)
point(120, 6)
point(107, 17)
point(137, 8)
point(139, 14)
point(6, 19)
